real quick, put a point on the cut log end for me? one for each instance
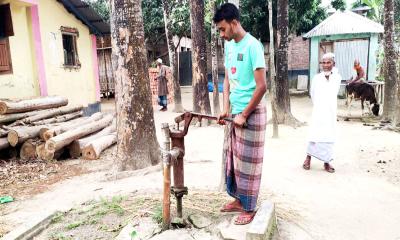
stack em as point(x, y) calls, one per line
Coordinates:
point(47, 135)
point(3, 108)
point(42, 133)
point(89, 153)
point(43, 154)
point(50, 146)
point(28, 151)
point(12, 138)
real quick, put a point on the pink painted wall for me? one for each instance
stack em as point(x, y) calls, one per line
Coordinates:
point(38, 49)
point(95, 67)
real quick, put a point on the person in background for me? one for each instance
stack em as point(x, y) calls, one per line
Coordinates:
point(324, 90)
point(162, 85)
point(359, 76)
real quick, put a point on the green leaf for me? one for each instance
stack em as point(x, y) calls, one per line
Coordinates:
point(133, 234)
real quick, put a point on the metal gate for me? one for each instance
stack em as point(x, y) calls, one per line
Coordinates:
point(185, 68)
point(345, 54)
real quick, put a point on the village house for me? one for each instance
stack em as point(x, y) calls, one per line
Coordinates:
point(48, 47)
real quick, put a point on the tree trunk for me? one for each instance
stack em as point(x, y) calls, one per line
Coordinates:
point(62, 140)
point(137, 142)
point(390, 72)
point(4, 143)
point(19, 135)
point(51, 113)
point(43, 154)
point(54, 131)
point(17, 116)
point(28, 149)
point(397, 118)
point(32, 104)
point(173, 61)
point(93, 150)
point(76, 147)
point(214, 63)
point(59, 119)
point(284, 114)
point(201, 101)
point(272, 74)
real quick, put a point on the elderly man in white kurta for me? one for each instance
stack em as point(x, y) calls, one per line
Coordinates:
point(324, 90)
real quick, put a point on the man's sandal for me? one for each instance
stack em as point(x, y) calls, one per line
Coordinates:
point(244, 218)
point(231, 207)
point(329, 168)
point(307, 165)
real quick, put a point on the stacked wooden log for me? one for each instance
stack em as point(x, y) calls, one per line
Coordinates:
point(46, 128)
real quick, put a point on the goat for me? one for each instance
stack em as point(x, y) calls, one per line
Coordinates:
point(364, 92)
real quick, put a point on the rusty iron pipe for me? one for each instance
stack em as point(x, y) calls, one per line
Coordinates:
point(166, 159)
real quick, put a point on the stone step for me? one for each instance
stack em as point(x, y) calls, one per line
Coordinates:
point(261, 228)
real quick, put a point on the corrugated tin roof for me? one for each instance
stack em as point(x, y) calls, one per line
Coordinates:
point(344, 23)
point(87, 15)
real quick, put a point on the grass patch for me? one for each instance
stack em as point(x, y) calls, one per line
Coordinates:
point(58, 217)
point(74, 225)
point(113, 206)
point(157, 214)
point(59, 236)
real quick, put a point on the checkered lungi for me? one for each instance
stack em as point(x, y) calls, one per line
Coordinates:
point(244, 153)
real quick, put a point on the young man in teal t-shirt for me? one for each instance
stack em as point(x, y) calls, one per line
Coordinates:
point(244, 88)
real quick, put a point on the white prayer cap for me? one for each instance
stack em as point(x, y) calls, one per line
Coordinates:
point(159, 60)
point(329, 55)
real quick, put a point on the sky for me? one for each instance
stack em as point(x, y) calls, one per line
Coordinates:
point(327, 2)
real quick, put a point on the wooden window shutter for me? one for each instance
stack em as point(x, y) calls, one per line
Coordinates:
point(6, 25)
point(5, 61)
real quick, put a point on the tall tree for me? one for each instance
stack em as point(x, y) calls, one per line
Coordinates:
point(214, 61)
point(102, 7)
point(272, 74)
point(173, 61)
point(390, 72)
point(201, 101)
point(376, 12)
point(137, 145)
point(339, 4)
point(282, 81)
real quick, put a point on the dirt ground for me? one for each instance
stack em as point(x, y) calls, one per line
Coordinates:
point(360, 201)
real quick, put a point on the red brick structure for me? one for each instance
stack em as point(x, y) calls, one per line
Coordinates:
point(153, 72)
point(299, 52)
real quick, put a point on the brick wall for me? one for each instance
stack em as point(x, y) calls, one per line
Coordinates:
point(298, 53)
point(153, 72)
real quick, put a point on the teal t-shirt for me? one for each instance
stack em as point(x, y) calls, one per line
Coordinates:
point(241, 59)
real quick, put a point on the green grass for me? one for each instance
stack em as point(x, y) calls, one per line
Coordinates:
point(59, 236)
point(75, 225)
point(58, 217)
point(157, 215)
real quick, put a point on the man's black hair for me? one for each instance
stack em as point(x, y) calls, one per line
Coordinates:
point(227, 12)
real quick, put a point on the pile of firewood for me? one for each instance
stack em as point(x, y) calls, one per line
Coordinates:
point(46, 127)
